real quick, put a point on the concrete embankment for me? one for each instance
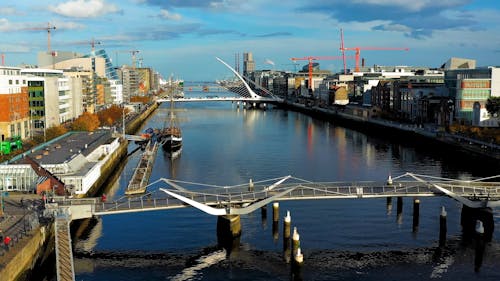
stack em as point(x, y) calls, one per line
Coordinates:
point(24, 256)
point(133, 125)
point(360, 119)
point(36, 250)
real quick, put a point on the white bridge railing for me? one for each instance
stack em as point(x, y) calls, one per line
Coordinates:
point(248, 197)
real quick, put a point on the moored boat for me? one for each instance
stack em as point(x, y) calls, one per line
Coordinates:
point(170, 136)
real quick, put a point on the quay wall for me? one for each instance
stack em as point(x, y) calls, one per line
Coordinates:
point(32, 252)
point(360, 119)
point(134, 124)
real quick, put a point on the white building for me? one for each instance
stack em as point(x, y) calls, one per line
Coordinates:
point(58, 98)
point(116, 91)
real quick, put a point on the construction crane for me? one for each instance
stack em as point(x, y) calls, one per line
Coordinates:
point(49, 28)
point(93, 43)
point(358, 51)
point(310, 66)
point(132, 52)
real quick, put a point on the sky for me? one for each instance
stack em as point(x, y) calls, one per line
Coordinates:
point(183, 37)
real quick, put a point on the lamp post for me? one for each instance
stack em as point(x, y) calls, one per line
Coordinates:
point(123, 120)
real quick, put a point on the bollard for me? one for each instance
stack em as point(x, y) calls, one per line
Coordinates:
point(416, 214)
point(389, 180)
point(276, 211)
point(287, 221)
point(442, 227)
point(298, 262)
point(478, 257)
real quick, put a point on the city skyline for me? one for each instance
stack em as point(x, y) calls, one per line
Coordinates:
point(183, 37)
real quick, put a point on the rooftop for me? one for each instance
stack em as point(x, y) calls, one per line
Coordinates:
point(66, 147)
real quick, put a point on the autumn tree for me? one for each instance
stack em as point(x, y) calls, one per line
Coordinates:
point(111, 115)
point(86, 122)
point(55, 131)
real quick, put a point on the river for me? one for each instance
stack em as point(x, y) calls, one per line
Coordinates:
point(346, 239)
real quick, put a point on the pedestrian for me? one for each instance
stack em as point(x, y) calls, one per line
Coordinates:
point(6, 242)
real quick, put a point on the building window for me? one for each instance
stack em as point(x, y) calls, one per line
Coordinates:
point(10, 82)
point(12, 130)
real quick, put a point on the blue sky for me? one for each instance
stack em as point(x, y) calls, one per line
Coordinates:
point(184, 36)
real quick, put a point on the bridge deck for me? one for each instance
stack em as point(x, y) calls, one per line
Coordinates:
point(240, 199)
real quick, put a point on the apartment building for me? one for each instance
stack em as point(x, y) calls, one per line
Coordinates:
point(14, 116)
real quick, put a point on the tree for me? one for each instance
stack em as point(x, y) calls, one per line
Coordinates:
point(54, 132)
point(86, 122)
point(493, 106)
point(112, 115)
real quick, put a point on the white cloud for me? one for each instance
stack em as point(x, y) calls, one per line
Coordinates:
point(5, 25)
point(7, 11)
point(169, 16)
point(414, 5)
point(84, 8)
point(68, 25)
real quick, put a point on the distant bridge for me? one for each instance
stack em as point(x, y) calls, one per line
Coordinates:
point(217, 98)
point(243, 91)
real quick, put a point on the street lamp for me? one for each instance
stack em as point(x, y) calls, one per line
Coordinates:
point(123, 120)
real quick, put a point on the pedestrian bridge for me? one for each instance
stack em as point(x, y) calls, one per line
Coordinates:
point(228, 202)
point(166, 194)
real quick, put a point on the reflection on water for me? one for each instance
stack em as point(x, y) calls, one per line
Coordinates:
point(341, 239)
point(192, 272)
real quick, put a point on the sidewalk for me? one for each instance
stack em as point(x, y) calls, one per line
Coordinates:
point(19, 218)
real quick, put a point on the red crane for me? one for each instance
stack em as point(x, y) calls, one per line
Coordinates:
point(311, 58)
point(358, 49)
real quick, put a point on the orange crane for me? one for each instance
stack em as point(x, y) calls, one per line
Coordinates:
point(49, 28)
point(358, 49)
point(311, 58)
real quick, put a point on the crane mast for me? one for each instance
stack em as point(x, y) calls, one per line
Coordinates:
point(310, 65)
point(358, 51)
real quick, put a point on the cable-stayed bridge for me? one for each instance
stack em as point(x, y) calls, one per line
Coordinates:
point(240, 87)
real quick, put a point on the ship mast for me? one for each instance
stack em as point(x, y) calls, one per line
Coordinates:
point(171, 90)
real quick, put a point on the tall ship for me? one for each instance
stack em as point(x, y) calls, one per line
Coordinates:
point(170, 136)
